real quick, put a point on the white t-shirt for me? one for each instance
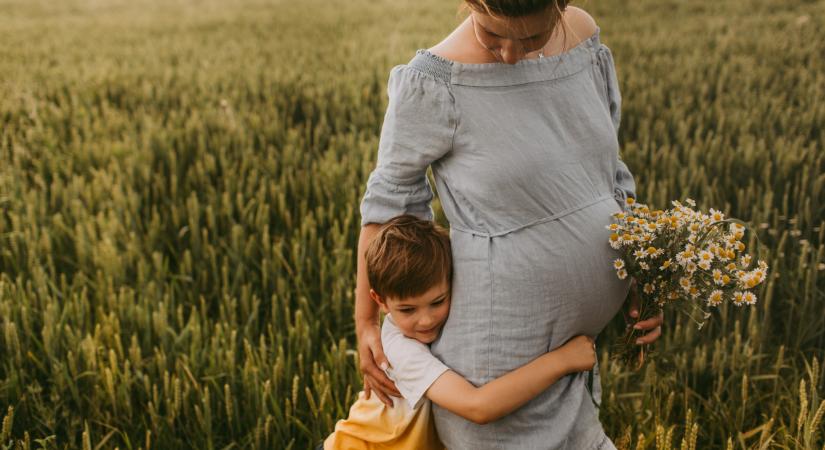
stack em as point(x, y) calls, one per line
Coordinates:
point(413, 367)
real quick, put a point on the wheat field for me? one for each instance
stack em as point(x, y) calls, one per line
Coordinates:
point(179, 191)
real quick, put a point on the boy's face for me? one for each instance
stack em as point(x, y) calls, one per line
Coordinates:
point(419, 317)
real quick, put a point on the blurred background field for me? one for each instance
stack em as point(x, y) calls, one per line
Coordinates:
point(179, 190)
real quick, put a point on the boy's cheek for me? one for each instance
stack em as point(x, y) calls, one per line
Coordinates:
point(405, 328)
point(446, 312)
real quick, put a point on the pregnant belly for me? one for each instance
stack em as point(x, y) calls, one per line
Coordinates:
point(519, 295)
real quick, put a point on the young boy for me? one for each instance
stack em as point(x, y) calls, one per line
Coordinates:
point(409, 267)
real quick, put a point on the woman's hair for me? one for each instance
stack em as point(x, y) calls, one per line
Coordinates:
point(515, 8)
point(518, 8)
point(408, 257)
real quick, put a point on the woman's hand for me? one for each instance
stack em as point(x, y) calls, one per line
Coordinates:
point(579, 354)
point(654, 323)
point(371, 355)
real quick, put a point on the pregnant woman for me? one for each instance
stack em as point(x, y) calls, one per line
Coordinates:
point(517, 113)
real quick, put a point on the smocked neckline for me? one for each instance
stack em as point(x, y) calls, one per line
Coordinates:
point(502, 74)
point(575, 49)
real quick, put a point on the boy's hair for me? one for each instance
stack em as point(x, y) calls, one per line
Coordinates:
point(408, 257)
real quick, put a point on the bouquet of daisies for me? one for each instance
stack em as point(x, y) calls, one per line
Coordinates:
point(682, 257)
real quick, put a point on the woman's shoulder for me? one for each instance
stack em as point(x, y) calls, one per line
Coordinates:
point(456, 46)
point(579, 26)
point(579, 22)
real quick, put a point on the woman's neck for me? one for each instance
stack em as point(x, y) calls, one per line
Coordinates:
point(461, 45)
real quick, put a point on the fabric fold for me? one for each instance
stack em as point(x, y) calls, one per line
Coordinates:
point(398, 184)
point(624, 185)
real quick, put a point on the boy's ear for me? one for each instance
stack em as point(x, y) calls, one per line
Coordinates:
point(378, 299)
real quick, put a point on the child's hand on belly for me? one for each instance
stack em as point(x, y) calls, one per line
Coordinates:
point(578, 354)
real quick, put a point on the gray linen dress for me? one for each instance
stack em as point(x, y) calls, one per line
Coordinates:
point(525, 160)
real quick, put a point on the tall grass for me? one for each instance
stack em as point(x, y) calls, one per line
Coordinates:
point(179, 190)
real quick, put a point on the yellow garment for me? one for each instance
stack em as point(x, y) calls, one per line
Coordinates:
point(372, 425)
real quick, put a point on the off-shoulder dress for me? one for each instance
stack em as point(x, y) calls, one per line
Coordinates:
point(526, 166)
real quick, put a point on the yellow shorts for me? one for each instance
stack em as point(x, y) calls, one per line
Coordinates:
point(372, 425)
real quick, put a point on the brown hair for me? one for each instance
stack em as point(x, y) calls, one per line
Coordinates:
point(518, 8)
point(515, 8)
point(407, 257)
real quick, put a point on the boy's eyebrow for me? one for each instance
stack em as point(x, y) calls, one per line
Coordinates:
point(439, 297)
point(401, 304)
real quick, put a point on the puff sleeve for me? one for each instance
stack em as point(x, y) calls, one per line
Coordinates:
point(624, 185)
point(418, 130)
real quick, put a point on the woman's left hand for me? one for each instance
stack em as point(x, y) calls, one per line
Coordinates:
point(654, 323)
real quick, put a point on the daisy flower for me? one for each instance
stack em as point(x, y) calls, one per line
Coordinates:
point(684, 257)
point(694, 227)
point(715, 298)
point(738, 298)
point(759, 274)
point(653, 251)
point(717, 276)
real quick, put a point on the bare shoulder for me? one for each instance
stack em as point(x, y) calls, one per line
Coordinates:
point(461, 45)
point(579, 24)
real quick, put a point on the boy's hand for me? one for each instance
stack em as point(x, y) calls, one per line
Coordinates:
point(579, 354)
point(370, 352)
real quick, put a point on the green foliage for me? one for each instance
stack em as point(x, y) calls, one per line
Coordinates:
point(179, 191)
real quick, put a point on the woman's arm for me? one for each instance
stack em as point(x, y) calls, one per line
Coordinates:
point(370, 351)
point(507, 393)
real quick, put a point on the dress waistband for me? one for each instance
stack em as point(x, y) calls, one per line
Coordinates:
point(551, 218)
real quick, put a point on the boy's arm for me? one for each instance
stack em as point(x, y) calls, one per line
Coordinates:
point(507, 393)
